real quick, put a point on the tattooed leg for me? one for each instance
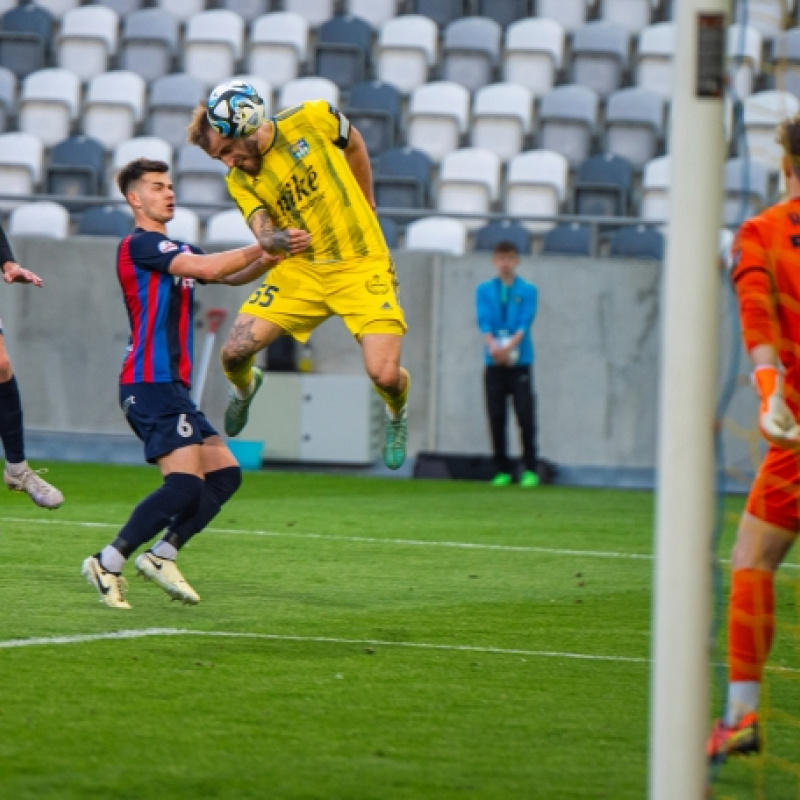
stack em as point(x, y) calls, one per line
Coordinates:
point(248, 335)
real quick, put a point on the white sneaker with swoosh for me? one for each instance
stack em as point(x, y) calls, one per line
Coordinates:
point(110, 586)
point(167, 575)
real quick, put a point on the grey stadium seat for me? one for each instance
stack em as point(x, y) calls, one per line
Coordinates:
point(442, 12)
point(149, 42)
point(603, 186)
point(567, 121)
point(105, 221)
point(747, 183)
point(200, 178)
point(342, 51)
point(634, 125)
point(571, 239)
point(471, 51)
point(172, 101)
point(26, 34)
point(638, 242)
point(489, 236)
point(600, 56)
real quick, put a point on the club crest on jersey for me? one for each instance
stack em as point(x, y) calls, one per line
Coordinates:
point(299, 149)
point(166, 246)
point(377, 285)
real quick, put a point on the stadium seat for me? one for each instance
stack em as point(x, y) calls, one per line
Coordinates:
point(634, 125)
point(140, 147)
point(655, 67)
point(570, 14)
point(182, 10)
point(40, 219)
point(402, 179)
point(87, 40)
point(442, 12)
point(768, 17)
point(469, 182)
point(567, 121)
point(122, 7)
point(537, 186)
point(570, 239)
point(471, 51)
point(25, 39)
point(633, 15)
point(407, 48)
point(785, 61)
point(248, 10)
point(8, 95)
point(278, 47)
point(438, 235)
point(763, 111)
point(303, 90)
point(114, 107)
point(58, 8)
point(375, 12)
point(229, 227)
point(390, 231)
point(75, 168)
point(504, 12)
point(7, 5)
point(374, 109)
point(48, 104)
point(502, 118)
point(149, 43)
point(184, 226)
point(489, 236)
point(603, 186)
point(342, 50)
point(744, 59)
point(20, 165)
point(534, 54)
point(600, 56)
point(105, 221)
point(655, 189)
point(437, 117)
point(726, 239)
point(637, 242)
point(747, 183)
point(315, 12)
point(173, 98)
point(213, 45)
point(199, 178)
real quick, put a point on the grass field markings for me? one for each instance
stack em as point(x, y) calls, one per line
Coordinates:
point(145, 632)
point(371, 540)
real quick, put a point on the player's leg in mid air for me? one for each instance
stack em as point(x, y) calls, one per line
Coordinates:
point(247, 337)
point(760, 548)
point(222, 476)
point(17, 475)
point(382, 352)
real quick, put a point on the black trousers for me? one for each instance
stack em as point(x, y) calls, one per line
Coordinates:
point(516, 382)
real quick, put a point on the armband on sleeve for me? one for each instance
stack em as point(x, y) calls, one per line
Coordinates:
point(343, 138)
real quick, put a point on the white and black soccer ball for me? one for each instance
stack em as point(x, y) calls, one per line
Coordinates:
point(235, 109)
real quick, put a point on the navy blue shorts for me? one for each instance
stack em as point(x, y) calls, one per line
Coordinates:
point(164, 417)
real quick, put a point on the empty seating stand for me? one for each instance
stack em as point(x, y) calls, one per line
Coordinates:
point(603, 186)
point(374, 109)
point(342, 51)
point(471, 51)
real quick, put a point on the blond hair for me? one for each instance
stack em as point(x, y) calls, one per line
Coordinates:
point(199, 128)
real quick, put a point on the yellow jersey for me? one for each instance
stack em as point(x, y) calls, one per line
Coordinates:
point(305, 182)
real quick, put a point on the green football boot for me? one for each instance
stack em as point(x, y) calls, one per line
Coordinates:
point(394, 451)
point(238, 408)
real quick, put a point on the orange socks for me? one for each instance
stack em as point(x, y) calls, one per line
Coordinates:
point(751, 623)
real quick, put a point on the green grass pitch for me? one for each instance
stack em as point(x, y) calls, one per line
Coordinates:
point(377, 655)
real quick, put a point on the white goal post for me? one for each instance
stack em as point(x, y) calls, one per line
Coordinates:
point(679, 697)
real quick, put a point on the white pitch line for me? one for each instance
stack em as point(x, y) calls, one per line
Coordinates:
point(368, 540)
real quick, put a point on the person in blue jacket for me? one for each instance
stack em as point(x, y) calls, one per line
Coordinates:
point(506, 308)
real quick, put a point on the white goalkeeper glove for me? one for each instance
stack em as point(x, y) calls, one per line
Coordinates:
point(775, 420)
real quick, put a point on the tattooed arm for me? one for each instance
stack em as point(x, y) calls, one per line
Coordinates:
point(286, 241)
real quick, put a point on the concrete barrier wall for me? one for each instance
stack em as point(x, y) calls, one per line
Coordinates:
point(596, 338)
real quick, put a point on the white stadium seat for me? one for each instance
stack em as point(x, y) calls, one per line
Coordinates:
point(20, 165)
point(768, 17)
point(763, 111)
point(655, 189)
point(438, 235)
point(114, 106)
point(199, 178)
point(534, 53)
point(376, 12)
point(40, 219)
point(49, 102)
point(406, 51)
point(502, 117)
point(213, 45)
point(182, 10)
point(88, 39)
point(184, 226)
point(229, 227)
point(302, 90)
point(537, 186)
point(655, 67)
point(570, 14)
point(567, 121)
point(315, 12)
point(469, 181)
point(140, 147)
point(58, 8)
point(631, 14)
point(438, 114)
point(744, 59)
point(278, 47)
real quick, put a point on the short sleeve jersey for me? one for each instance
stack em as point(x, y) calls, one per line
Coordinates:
point(159, 309)
point(305, 182)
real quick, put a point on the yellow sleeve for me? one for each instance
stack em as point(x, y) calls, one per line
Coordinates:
point(243, 196)
point(329, 121)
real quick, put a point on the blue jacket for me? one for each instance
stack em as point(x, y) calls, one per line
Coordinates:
point(516, 315)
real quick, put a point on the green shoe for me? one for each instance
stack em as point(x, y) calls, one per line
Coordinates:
point(501, 479)
point(394, 451)
point(236, 412)
point(529, 479)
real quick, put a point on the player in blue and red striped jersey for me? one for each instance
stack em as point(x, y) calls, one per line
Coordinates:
point(157, 275)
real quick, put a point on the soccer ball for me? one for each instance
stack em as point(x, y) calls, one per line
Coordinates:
point(235, 109)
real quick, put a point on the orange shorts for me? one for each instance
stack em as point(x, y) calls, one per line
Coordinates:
point(775, 493)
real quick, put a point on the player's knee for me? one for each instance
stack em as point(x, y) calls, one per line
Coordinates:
point(185, 490)
point(224, 483)
point(386, 375)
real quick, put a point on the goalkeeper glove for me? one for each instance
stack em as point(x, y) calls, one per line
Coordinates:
point(775, 420)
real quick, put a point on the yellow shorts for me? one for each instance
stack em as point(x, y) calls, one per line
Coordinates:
point(299, 295)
